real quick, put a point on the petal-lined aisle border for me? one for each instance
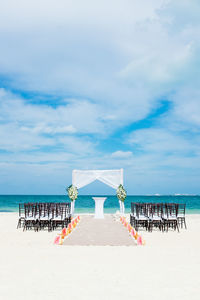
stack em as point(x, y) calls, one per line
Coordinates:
point(66, 231)
point(138, 239)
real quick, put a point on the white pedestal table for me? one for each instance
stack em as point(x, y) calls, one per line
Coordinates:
point(99, 202)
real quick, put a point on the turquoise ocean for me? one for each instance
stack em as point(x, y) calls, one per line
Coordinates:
point(85, 204)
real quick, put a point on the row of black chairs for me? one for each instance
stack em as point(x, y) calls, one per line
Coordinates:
point(39, 216)
point(157, 215)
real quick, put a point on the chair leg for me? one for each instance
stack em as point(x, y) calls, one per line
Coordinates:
point(150, 226)
point(24, 226)
point(185, 223)
point(19, 224)
point(177, 225)
point(163, 226)
point(136, 225)
point(49, 226)
point(160, 225)
point(147, 225)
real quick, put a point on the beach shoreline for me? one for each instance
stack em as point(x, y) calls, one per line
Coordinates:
point(85, 204)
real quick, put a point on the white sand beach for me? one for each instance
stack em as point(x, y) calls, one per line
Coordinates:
point(167, 267)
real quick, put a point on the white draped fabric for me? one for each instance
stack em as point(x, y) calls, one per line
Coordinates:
point(113, 178)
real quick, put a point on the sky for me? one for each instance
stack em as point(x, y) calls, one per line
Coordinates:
point(90, 84)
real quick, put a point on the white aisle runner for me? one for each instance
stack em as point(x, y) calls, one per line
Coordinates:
point(99, 232)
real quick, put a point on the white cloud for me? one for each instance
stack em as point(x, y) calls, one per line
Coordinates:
point(11, 139)
point(109, 64)
point(41, 128)
point(120, 55)
point(76, 48)
point(163, 141)
point(122, 154)
point(187, 107)
point(74, 116)
point(25, 126)
point(124, 59)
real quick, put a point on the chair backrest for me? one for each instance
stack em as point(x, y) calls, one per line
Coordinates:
point(172, 209)
point(181, 209)
point(40, 209)
point(133, 208)
point(156, 209)
point(29, 209)
point(21, 210)
point(141, 209)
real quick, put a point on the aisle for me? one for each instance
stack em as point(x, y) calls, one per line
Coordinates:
point(99, 232)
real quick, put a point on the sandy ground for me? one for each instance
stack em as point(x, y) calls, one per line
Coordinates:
point(31, 267)
point(100, 232)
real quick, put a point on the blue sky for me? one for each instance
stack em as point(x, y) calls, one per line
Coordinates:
point(100, 85)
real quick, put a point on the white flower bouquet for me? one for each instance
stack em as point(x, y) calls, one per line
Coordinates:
point(121, 193)
point(72, 192)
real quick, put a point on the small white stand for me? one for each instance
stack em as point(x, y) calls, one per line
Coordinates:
point(99, 202)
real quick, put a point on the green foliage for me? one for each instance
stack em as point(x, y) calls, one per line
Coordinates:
point(72, 192)
point(121, 193)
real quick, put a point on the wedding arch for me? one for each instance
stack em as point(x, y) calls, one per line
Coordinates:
point(113, 178)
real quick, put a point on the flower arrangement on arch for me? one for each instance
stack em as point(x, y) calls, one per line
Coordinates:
point(121, 193)
point(72, 192)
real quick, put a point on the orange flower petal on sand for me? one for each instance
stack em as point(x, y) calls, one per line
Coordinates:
point(139, 240)
point(129, 227)
point(64, 231)
point(57, 240)
point(134, 231)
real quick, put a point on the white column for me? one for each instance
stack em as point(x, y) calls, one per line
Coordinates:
point(122, 208)
point(72, 207)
